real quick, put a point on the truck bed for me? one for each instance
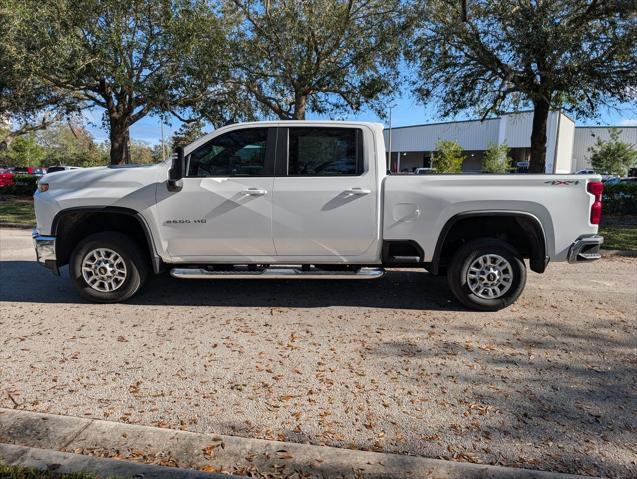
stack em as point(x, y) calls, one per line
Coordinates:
point(419, 206)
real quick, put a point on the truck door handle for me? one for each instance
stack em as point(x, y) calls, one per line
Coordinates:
point(358, 191)
point(255, 192)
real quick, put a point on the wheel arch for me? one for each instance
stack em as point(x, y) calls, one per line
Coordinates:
point(524, 229)
point(71, 225)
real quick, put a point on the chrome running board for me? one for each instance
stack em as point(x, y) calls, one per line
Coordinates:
point(276, 272)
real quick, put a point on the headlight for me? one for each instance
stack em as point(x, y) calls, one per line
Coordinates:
point(42, 187)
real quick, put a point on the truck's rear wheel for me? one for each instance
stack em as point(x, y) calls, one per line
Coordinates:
point(108, 267)
point(487, 274)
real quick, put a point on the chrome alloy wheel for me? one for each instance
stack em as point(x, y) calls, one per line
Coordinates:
point(103, 270)
point(490, 276)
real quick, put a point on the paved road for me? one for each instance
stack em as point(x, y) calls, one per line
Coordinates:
point(392, 365)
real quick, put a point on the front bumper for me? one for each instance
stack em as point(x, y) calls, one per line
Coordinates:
point(585, 248)
point(45, 251)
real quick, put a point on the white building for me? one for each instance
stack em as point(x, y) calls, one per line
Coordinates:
point(586, 136)
point(566, 150)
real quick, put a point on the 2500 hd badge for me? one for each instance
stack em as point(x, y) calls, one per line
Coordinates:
point(182, 222)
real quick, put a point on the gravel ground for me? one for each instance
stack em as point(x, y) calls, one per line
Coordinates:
point(392, 365)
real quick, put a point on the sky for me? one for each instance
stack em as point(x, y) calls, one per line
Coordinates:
point(406, 112)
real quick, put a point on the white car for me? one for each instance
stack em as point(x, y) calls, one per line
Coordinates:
point(53, 169)
point(309, 199)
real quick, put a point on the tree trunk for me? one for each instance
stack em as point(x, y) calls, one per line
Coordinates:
point(541, 109)
point(119, 140)
point(300, 102)
point(6, 143)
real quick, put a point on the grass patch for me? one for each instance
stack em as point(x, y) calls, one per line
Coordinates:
point(18, 210)
point(622, 237)
point(17, 472)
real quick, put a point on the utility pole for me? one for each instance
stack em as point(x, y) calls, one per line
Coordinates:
point(389, 156)
point(163, 148)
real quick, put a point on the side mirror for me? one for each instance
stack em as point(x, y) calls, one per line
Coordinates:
point(176, 172)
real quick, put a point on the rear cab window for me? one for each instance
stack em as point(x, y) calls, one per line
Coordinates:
point(325, 151)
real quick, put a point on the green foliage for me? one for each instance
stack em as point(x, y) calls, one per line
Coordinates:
point(29, 101)
point(23, 151)
point(448, 157)
point(621, 237)
point(128, 57)
point(18, 472)
point(25, 185)
point(500, 55)
point(187, 133)
point(325, 56)
point(620, 199)
point(71, 145)
point(612, 157)
point(16, 210)
point(157, 154)
point(496, 159)
point(141, 153)
point(68, 145)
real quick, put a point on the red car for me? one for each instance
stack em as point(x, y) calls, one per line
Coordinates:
point(29, 170)
point(6, 177)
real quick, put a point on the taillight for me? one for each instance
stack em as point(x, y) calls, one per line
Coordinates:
point(596, 188)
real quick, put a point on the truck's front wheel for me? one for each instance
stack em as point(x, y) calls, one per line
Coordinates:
point(108, 267)
point(487, 274)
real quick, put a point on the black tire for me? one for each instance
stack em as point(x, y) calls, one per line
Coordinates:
point(130, 253)
point(457, 276)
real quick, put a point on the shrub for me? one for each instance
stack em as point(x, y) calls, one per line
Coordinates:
point(496, 159)
point(612, 157)
point(620, 199)
point(448, 157)
point(25, 185)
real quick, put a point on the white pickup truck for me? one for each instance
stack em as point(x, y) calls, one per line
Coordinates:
point(308, 199)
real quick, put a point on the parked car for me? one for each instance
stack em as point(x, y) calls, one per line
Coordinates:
point(30, 170)
point(585, 172)
point(424, 171)
point(6, 177)
point(53, 169)
point(629, 179)
point(309, 199)
point(610, 180)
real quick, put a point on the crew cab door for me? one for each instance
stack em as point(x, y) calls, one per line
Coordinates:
point(325, 195)
point(224, 209)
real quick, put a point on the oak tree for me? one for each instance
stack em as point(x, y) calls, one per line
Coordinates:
point(27, 103)
point(324, 56)
point(492, 56)
point(130, 58)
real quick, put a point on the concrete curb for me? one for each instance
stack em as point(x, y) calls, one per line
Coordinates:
point(16, 226)
point(230, 454)
point(63, 462)
point(618, 252)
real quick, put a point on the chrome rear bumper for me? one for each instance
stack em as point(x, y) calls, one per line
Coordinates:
point(585, 248)
point(45, 250)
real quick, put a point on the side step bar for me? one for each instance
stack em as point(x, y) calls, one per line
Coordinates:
point(275, 272)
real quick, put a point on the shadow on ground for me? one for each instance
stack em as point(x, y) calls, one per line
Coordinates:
point(27, 281)
point(527, 378)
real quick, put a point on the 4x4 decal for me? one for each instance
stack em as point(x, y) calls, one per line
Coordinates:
point(562, 182)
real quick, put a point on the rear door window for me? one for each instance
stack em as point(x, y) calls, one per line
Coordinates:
point(324, 151)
